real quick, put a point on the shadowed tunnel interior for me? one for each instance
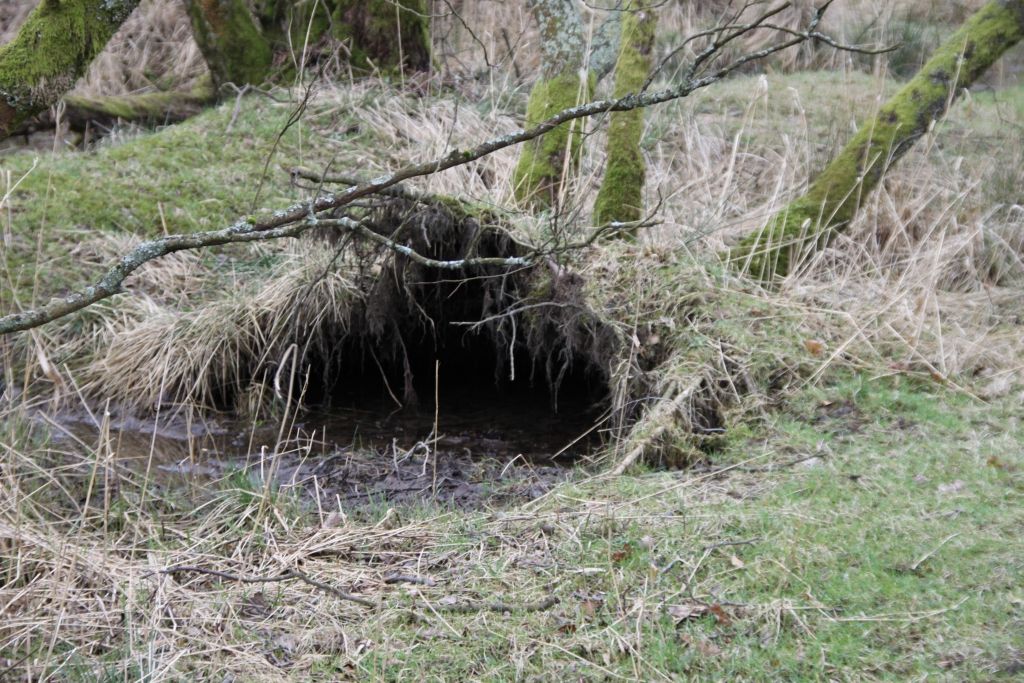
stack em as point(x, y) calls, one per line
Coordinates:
point(501, 368)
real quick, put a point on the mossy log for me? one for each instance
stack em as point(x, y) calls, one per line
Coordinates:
point(152, 107)
point(53, 49)
point(835, 196)
point(621, 195)
point(232, 41)
point(562, 84)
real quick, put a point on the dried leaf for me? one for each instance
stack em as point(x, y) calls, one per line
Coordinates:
point(691, 610)
point(736, 562)
point(721, 616)
point(814, 347)
point(619, 555)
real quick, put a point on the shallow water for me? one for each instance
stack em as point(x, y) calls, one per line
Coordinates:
point(487, 452)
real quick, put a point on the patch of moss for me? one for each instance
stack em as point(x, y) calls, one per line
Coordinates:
point(53, 49)
point(231, 40)
point(538, 174)
point(191, 176)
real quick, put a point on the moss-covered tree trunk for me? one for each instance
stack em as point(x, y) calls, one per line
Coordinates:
point(385, 35)
point(53, 49)
point(232, 41)
point(835, 196)
point(561, 84)
point(241, 42)
point(621, 195)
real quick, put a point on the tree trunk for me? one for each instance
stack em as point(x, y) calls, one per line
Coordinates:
point(53, 49)
point(604, 46)
point(542, 162)
point(231, 40)
point(386, 35)
point(621, 195)
point(835, 196)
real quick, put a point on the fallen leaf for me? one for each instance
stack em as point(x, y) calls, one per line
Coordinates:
point(721, 616)
point(995, 462)
point(814, 347)
point(691, 610)
point(736, 562)
point(619, 555)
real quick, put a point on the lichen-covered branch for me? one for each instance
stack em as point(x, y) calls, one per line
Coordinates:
point(297, 218)
point(834, 197)
point(52, 51)
point(561, 85)
point(231, 40)
point(621, 195)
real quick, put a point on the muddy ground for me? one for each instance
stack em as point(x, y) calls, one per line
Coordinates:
point(350, 459)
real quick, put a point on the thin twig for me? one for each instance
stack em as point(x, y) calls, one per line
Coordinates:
point(409, 578)
point(287, 575)
point(499, 607)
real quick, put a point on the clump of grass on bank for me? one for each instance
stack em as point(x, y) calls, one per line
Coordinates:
point(941, 264)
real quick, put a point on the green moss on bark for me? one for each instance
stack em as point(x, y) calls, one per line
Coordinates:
point(52, 51)
point(386, 35)
point(231, 40)
point(621, 195)
point(835, 196)
point(538, 174)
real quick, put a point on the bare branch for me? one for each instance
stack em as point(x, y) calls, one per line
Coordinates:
point(302, 216)
point(460, 264)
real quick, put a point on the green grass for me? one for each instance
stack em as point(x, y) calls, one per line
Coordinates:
point(201, 174)
point(896, 555)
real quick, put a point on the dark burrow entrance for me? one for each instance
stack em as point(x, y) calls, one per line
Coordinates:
point(499, 375)
point(497, 355)
point(495, 377)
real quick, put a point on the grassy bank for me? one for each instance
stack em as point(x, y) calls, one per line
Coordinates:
point(868, 531)
point(856, 517)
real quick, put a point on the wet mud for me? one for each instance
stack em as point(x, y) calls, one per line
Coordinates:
point(483, 454)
